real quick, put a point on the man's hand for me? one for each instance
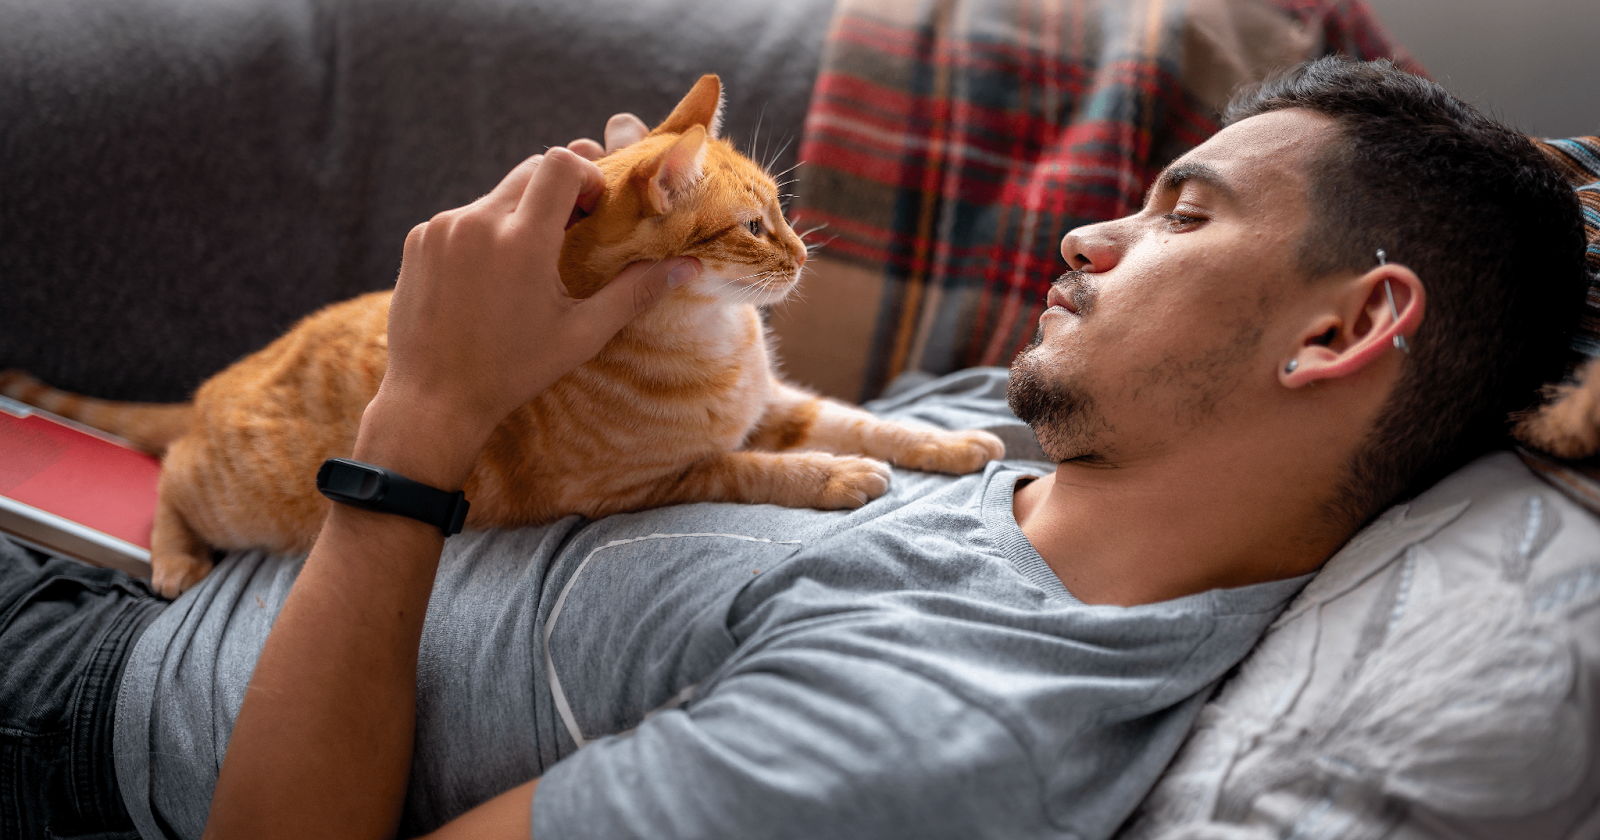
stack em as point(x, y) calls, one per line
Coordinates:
point(621, 130)
point(481, 322)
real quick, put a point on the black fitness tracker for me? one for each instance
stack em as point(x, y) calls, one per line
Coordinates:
point(377, 489)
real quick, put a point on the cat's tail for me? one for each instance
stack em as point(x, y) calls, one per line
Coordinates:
point(149, 426)
point(1567, 425)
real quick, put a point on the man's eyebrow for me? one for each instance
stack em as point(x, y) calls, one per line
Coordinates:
point(1175, 176)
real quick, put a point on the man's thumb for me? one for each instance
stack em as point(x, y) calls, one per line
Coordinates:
point(641, 285)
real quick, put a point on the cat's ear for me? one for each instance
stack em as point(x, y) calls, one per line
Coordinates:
point(702, 106)
point(667, 177)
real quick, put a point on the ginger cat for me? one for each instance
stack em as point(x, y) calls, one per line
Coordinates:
point(682, 405)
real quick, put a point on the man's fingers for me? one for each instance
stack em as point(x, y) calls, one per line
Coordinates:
point(414, 241)
point(637, 288)
point(586, 148)
point(508, 193)
point(563, 180)
point(624, 130)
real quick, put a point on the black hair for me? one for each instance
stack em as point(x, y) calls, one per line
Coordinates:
point(1482, 217)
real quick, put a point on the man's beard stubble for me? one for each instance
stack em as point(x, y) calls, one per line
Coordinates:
point(1062, 415)
point(1059, 414)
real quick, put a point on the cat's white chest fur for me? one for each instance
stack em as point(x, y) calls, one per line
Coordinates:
point(700, 364)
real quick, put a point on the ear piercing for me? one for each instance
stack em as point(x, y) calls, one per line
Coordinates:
point(1399, 340)
point(1388, 291)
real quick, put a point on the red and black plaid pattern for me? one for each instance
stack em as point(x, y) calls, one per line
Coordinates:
point(951, 143)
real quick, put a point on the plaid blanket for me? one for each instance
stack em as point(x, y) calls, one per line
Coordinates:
point(1579, 159)
point(950, 144)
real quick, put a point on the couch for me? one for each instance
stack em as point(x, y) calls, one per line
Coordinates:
point(180, 180)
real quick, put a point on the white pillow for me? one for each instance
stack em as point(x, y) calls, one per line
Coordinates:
point(1439, 678)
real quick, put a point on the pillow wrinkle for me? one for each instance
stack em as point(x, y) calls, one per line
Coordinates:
point(1451, 693)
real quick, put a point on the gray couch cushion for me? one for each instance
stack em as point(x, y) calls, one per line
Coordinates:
point(182, 179)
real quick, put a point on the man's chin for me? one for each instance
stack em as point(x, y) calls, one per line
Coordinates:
point(1060, 414)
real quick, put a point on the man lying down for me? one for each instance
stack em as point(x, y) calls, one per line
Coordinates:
point(1319, 311)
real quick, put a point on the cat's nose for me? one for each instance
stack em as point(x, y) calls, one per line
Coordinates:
point(800, 259)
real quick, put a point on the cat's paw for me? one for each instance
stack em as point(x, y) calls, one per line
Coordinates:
point(172, 575)
point(957, 453)
point(852, 482)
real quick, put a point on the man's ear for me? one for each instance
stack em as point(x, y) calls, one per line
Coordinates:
point(1359, 327)
point(666, 178)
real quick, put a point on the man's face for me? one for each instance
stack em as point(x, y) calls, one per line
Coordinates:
point(1158, 330)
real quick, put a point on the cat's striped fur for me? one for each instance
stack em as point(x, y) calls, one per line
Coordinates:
point(683, 405)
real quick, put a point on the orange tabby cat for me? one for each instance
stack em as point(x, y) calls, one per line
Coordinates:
point(681, 406)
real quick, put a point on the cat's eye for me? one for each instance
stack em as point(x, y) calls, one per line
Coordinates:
point(755, 227)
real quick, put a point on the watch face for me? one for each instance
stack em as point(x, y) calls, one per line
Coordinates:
point(350, 480)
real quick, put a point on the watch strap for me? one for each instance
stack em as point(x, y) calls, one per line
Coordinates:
point(379, 490)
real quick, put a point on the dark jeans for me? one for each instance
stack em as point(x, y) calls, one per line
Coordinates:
point(66, 630)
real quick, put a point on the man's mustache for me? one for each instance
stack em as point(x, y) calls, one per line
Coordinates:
point(1078, 286)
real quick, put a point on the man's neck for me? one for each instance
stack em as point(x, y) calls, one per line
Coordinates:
point(1149, 531)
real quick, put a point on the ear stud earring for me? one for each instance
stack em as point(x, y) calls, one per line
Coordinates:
point(1399, 340)
point(1289, 368)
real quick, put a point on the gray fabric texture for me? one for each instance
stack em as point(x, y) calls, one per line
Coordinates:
point(1438, 680)
point(183, 179)
point(910, 669)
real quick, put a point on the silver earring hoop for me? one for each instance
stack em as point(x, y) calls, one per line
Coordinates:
point(1290, 367)
point(1399, 340)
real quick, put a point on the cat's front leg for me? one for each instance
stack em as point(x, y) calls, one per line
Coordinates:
point(179, 558)
point(791, 479)
point(797, 419)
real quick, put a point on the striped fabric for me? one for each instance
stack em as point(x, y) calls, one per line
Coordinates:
point(1579, 159)
point(950, 143)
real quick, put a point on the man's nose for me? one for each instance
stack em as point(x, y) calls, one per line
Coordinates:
point(1092, 248)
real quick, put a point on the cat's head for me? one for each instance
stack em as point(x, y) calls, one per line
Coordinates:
point(682, 191)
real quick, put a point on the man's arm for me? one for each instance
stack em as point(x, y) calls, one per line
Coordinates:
point(480, 324)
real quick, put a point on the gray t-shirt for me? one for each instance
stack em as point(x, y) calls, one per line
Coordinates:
point(910, 669)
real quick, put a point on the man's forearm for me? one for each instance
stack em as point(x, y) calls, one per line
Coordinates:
point(323, 741)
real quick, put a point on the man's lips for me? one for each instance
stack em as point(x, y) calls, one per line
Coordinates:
point(1059, 297)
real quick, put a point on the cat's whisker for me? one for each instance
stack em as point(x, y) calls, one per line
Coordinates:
point(787, 171)
point(813, 247)
point(742, 294)
point(755, 139)
point(774, 158)
point(731, 289)
point(809, 231)
point(796, 294)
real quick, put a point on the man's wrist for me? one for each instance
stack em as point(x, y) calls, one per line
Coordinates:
point(420, 440)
